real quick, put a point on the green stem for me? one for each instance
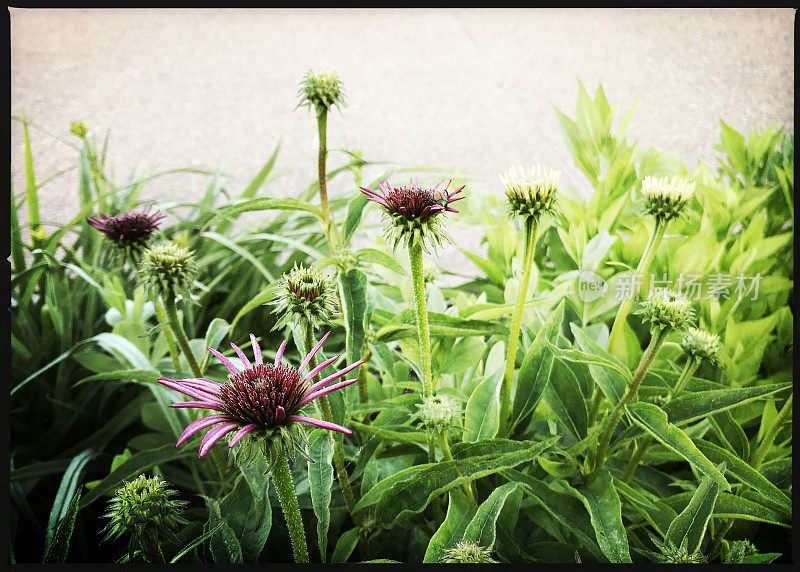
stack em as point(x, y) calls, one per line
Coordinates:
point(183, 341)
point(784, 416)
point(423, 331)
point(431, 448)
point(615, 337)
point(641, 446)
point(656, 340)
point(282, 477)
point(325, 407)
point(448, 455)
point(516, 324)
point(161, 314)
point(322, 128)
point(362, 376)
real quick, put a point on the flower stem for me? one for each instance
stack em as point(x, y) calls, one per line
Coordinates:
point(448, 455)
point(762, 450)
point(615, 337)
point(516, 324)
point(362, 376)
point(423, 331)
point(322, 128)
point(642, 445)
point(282, 477)
point(656, 340)
point(168, 335)
point(183, 341)
point(325, 407)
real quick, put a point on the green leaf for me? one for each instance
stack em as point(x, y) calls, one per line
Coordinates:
point(700, 404)
point(605, 511)
point(459, 513)
point(481, 418)
point(690, 525)
point(320, 478)
point(744, 473)
point(270, 203)
point(653, 420)
point(224, 545)
point(58, 548)
point(345, 546)
point(659, 514)
point(227, 242)
point(355, 211)
point(734, 506)
point(404, 325)
point(66, 491)
point(564, 397)
point(535, 370)
point(481, 528)
point(353, 290)
point(410, 490)
point(215, 333)
point(258, 181)
point(376, 256)
point(612, 381)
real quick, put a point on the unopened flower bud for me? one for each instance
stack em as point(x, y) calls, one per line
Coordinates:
point(666, 198)
point(322, 90)
point(168, 269)
point(531, 192)
point(701, 344)
point(466, 552)
point(667, 309)
point(305, 295)
point(439, 411)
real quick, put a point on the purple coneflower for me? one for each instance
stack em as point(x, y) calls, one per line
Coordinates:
point(412, 210)
point(128, 232)
point(263, 397)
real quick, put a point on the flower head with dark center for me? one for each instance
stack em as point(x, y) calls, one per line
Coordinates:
point(129, 233)
point(666, 198)
point(322, 90)
point(305, 295)
point(168, 269)
point(411, 212)
point(143, 503)
point(263, 399)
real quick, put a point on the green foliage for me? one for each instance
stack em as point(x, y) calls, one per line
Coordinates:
point(88, 344)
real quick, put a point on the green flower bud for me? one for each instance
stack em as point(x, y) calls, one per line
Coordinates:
point(168, 270)
point(531, 193)
point(467, 553)
point(667, 309)
point(666, 198)
point(143, 503)
point(322, 90)
point(79, 129)
point(439, 411)
point(701, 344)
point(670, 554)
point(305, 295)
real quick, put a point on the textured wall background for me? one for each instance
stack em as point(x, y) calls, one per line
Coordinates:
point(467, 89)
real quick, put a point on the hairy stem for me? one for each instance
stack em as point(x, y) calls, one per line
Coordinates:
point(448, 455)
point(656, 340)
point(615, 337)
point(282, 477)
point(516, 324)
point(322, 128)
point(325, 407)
point(643, 444)
point(183, 341)
point(161, 314)
point(415, 258)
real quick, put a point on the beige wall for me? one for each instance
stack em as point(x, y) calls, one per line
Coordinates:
point(467, 89)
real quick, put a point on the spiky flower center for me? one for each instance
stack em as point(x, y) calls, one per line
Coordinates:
point(701, 344)
point(466, 552)
point(439, 411)
point(411, 202)
point(305, 295)
point(321, 89)
point(666, 197)
point(531, 192)
point(264, 395)
point(168, 268)
point(128, 227)
point(667, 309)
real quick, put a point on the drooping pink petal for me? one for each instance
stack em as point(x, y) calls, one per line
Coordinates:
point(211, 387)
point(313, 351)
point(327, 390)
point(196, 426)
point(256, 350)
point(320, 423)
point(330, 378)
point(215, 435)
point(279, 353)
point(241, 355)
point(215, 405)
point(320, 367)
point(241, 433)
point(451, 210)
point(185, 389)
point(225, 361)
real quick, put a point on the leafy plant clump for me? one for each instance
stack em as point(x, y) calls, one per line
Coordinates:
point(611, 381)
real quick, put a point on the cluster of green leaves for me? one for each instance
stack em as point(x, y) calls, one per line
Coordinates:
point(88, 347)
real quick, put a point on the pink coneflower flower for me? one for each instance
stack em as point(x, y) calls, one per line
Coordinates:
point(412, 210)
point(129, 232)
point(262, 398)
